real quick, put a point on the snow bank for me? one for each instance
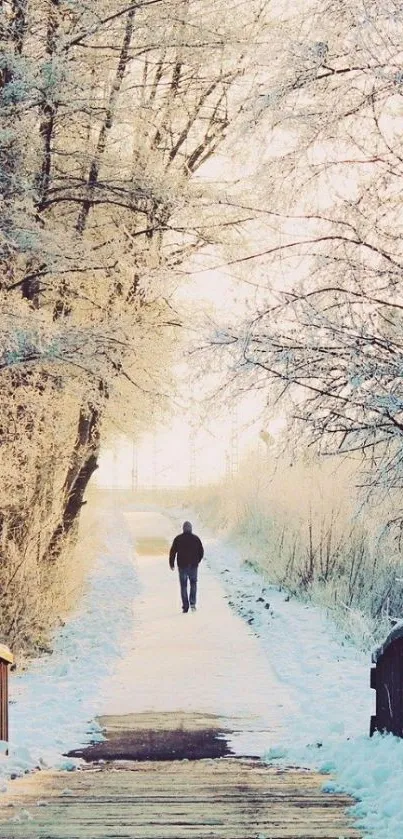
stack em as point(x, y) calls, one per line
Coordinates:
point(372, 770)
point(328, 681)
point(53, 702)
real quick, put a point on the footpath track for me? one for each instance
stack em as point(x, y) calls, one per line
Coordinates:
point(191, 708)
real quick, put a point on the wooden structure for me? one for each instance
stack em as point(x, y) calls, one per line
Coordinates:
point(183, 799)
point(6, 658)
point(387, 681)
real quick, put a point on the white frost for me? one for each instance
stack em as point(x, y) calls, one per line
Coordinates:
point(54, 702)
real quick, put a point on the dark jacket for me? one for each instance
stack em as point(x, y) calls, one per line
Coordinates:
point(188, 550)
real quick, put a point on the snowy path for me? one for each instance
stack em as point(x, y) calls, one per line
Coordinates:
point(206, 662)
point(292, 690)
point(130, 654)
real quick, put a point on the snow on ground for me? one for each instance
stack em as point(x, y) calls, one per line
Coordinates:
point(325, 719)
point(195, 663)
point(52, 702)
point(328, 680)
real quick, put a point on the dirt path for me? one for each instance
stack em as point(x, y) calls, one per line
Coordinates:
point(191, 707)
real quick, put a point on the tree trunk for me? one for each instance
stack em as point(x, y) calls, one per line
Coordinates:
point(83, 464)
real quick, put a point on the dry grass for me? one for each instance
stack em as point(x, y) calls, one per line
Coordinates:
point(39, 595)
point(304, 525)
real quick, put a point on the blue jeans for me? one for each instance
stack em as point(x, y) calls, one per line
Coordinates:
point(185, 574)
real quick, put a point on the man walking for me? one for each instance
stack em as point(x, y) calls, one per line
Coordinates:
point(189, 551)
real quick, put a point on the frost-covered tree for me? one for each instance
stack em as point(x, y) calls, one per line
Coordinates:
point(326, 333)
point(108, 110)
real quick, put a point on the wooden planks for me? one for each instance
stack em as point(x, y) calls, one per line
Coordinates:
point(6, 654)
point(387, 680)
point(3, 700)
point(6, 658)
point(206, 799)
point(167, 736)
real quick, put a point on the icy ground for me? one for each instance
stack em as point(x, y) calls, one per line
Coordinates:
point(328, 681)
point(293, 647)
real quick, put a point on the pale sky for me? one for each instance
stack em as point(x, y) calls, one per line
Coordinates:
point(182, 453)
point(188, 451)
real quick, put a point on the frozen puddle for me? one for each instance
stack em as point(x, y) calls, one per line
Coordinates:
point(206, 663)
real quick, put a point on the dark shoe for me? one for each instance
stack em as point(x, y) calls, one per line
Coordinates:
point(184, 610)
